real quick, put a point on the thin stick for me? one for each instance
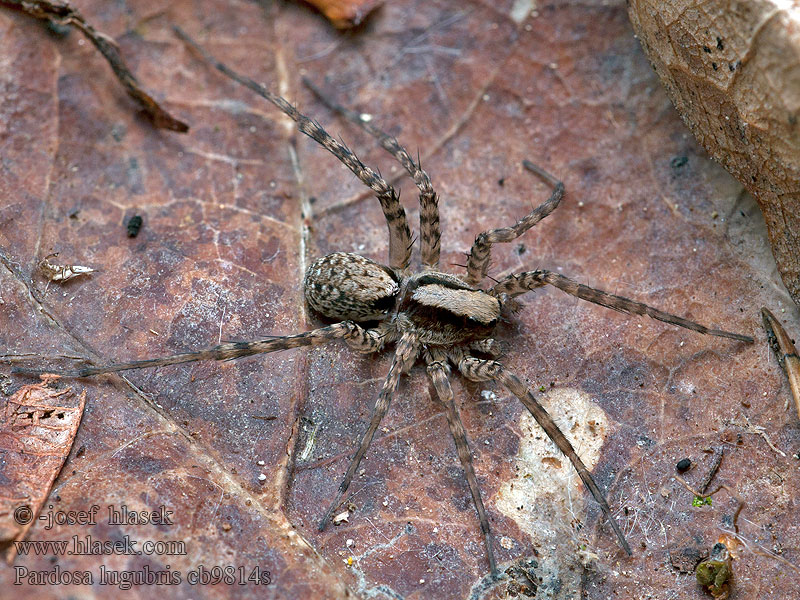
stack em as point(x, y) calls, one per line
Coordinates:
point(64, 14)
point(714, 468)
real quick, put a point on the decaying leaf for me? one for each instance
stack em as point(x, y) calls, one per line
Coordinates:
point(61, 273)
point(345, 13)
point(62, 13)
point(732, 69)
point(37, 427)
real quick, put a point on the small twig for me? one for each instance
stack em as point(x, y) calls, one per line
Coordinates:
point(708, 495)
point(758, 430)
point(714, 468)
point(64, 14)
point(27, 356)
point(785, 352)
point(264, 418)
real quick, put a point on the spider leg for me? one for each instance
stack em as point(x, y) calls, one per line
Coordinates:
point(351, 332)
point(480, 254)
point(367, 341)
point(517, 284)
point(399, 234)
point(438, 370)
point(430, 233)
point(404, 356)
point(490, 370)
point(488, 346)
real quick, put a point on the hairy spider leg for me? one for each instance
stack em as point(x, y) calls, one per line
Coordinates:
point(400, 242)
point(404, 356)
point(429, 230)
point(477, 369)
point(438, 369)
point(480, 254)
point(519, 283)
point(360, 339)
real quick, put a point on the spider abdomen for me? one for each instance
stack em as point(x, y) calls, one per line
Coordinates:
point(346, 286)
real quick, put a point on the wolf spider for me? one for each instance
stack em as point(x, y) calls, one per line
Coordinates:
point(439, 316)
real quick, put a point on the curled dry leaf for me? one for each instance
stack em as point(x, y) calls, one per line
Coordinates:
point(37, 427)
point(345, 13)
point(732, 69)
point(63, 14)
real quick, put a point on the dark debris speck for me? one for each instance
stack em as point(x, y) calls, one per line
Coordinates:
point(134, 225)
point(678, 161)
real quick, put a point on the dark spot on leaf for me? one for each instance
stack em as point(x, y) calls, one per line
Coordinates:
point(134, 225)
point(678, 162)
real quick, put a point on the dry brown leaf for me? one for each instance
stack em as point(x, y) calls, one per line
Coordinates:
point(37, 427)
point(345, 13)
point(732, 68)
point(236, 209)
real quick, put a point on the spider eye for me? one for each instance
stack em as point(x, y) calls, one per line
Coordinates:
point(346, 286)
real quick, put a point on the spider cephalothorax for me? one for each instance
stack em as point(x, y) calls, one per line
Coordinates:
point(438, 308)
point(430, 314)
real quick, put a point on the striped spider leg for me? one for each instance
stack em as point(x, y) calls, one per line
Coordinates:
point(429, 314)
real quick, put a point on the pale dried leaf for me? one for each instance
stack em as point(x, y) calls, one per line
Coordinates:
point(732, 68)
point(37, 427)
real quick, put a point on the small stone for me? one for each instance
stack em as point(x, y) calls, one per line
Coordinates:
point(683, 465)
